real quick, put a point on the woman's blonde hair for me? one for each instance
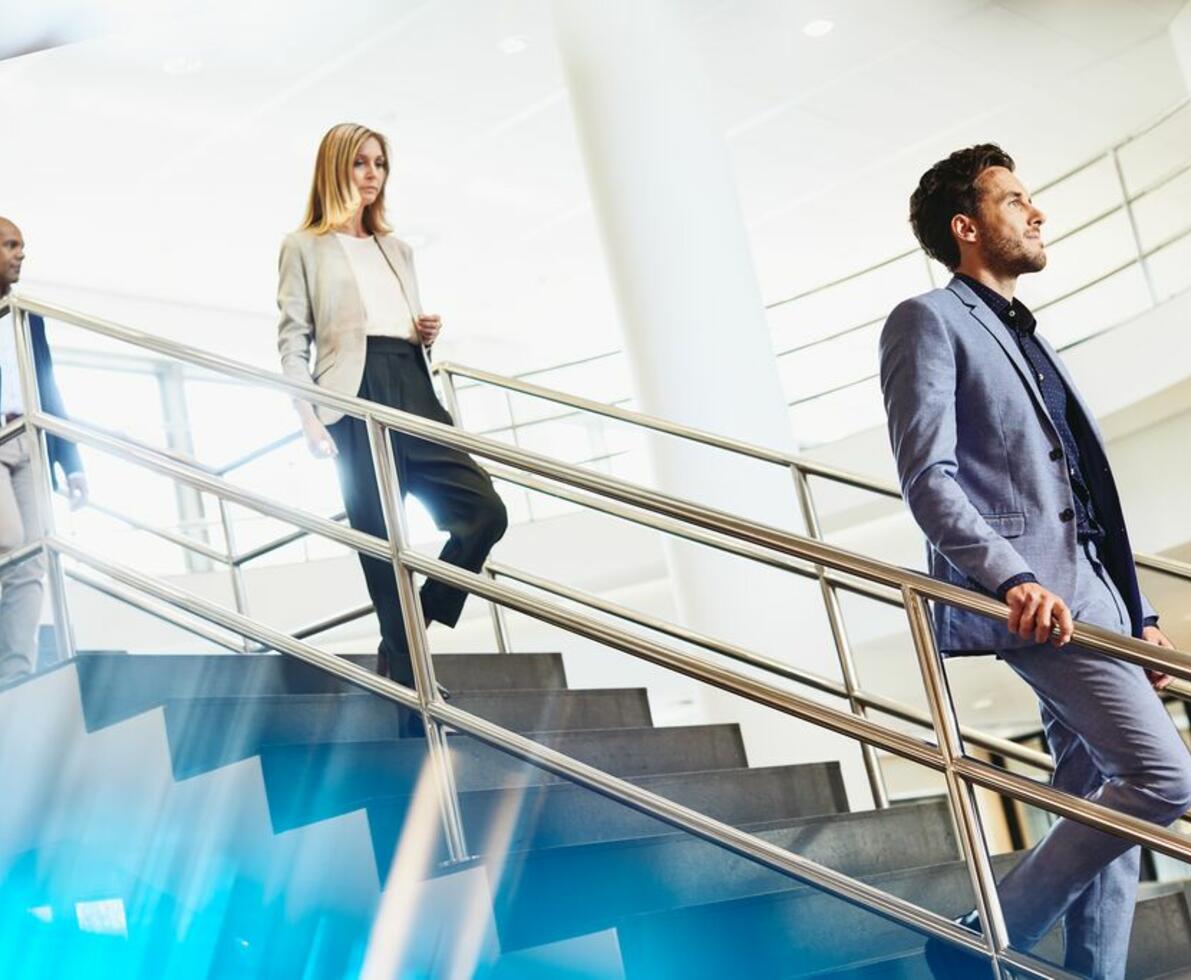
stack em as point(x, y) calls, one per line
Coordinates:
point(333, 197)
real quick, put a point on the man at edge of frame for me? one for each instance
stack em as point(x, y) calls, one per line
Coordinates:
point(1005, 471)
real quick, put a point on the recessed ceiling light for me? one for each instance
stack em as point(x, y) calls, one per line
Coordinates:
point(513, 44)
point(818, 28)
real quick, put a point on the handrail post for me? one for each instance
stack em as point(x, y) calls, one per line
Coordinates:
point(415, 633)
point(963, 800)
point(843, 649)
point(500, 626)
point(235, 570)
point(451, 394)
point(39, 462)
point(1115, 157)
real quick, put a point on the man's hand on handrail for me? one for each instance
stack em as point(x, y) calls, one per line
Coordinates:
point(1159, 680)
point(1038, 613)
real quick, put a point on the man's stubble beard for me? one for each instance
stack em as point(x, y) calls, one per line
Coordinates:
point(1008, 257)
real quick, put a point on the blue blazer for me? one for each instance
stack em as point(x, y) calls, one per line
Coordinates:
point(972, 439)
point(61, 452)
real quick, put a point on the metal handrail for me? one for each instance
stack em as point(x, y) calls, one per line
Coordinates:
point(805, 464)
point(707, 828)
point(767, 536)
point(915, 588)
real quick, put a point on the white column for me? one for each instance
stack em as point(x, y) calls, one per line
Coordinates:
point(1180, 37)
point(696, 337)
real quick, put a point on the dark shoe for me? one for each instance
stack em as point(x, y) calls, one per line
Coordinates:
point(950, 962)
point(443, 692)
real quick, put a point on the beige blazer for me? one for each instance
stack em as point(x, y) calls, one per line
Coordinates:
point(320, 304)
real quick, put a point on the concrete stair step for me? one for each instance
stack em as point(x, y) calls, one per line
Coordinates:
point(541, 903)
point(559, 814)
point(116, 686)
point(312, 781)
point(206, 732)
point(804, 932)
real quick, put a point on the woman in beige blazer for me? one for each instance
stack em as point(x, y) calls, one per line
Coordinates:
point(347, 289)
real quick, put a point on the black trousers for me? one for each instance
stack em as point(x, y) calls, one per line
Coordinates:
point(456, 492)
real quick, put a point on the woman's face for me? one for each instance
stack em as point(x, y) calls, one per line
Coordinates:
point(369, 170)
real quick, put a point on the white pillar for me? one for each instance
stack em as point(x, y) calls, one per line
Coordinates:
point(696, 336)
point(1180, 37)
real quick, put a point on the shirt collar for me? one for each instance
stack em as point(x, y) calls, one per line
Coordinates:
point(1014, 314)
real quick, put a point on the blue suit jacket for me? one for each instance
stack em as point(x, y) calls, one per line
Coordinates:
point(62, 452)
point(973, 443)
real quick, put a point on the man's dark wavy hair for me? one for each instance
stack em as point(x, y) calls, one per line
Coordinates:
point(948, 189)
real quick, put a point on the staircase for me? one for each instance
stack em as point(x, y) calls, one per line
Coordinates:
point(251, 816)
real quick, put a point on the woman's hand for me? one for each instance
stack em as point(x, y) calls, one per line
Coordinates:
point(318, 439)
point(428, 327)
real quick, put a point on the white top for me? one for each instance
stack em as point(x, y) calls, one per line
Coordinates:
point(385, 303)
point(11, 402)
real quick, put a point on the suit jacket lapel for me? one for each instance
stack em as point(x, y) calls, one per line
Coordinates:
point(1003, 336)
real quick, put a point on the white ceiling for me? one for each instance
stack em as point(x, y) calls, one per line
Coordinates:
point(165, 157)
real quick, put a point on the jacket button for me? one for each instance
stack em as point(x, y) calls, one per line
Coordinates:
point(1067, 515)
point(1056, 454)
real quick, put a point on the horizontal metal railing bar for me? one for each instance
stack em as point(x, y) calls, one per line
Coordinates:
point(255, 454)
point(200, 480)
point(692, 665)
point(1156, 658)
point(1002, 746)
point(561, 366)
point(620, 414)
point(749, 531)
point(805, 677)
point(707, 828)
point(752, 450)
point(181, 540)
point(157, 610)
point(330, 622)
point(723, 835)
point(1166, 566)
point(18, 556)
point(280, 542)
point(1172, 662)
point(738, 653)
point(842, 722)
point(515, 425)
point(878, 593)
point(12, 430)
point(1073, 807)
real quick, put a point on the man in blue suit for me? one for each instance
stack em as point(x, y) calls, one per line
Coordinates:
point(20, 516)
point(1004, 469)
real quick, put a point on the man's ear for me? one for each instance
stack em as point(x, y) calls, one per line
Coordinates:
point(964, 229)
